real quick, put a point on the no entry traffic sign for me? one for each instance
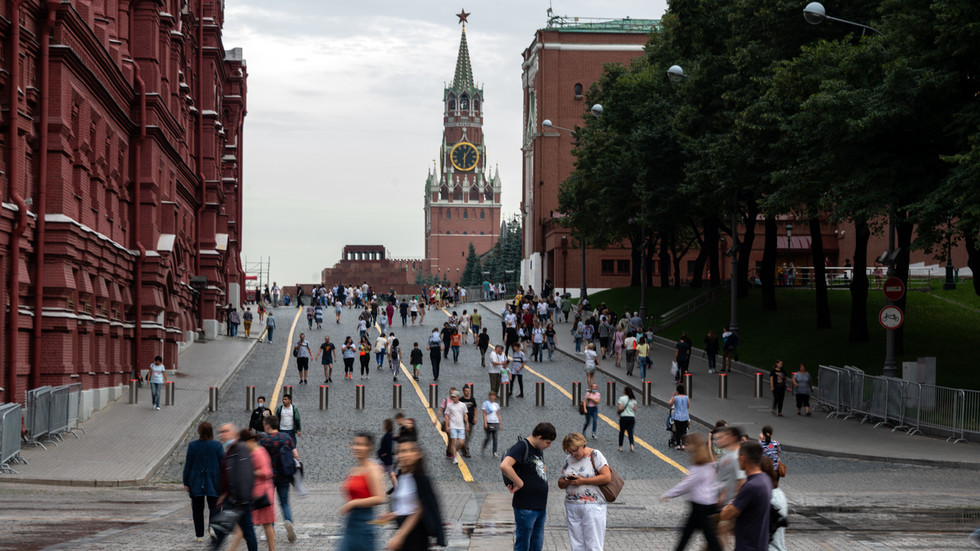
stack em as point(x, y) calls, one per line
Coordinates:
point(891, 317)
point(894, 288)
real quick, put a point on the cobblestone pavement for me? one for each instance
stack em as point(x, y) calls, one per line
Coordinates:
point(835, 503)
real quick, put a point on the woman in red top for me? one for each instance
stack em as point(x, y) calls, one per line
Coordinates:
point(364, 487)
point(262, 465)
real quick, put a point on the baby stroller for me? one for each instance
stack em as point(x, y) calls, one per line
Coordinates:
point(671, 441)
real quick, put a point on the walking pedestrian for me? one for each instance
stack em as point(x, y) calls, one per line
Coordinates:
point(699, 486)
point(779, 505)
point(329, 352)
point(201, 480)
point(729, 349)
point(454, 341)
point(289, 420)
point(711, 349)
point(380, 349)
point(682, 356)
point(777, 384)
point(476, 322)
point(415, 358)
point(516, 368)
point(156, 374)
point(394, 356)
point(310, 314)
point(364, 487)
point(258, 414)
point(526, 475)
point(247, 318)
point(491, 421)
point(348, 351)
point(629, 351)
point(386, 452)
point(318, 315)
point(626, 407)
point(592, 399)
point(270, 325)
point(435, 352)
point(455, 418)
point(537, 341)
point(750, 508)
point(619, 338)
point(643, 356)
point(281, 449)
point(770, 448)
point(275, 294)
point(263, 491)
point(591, 364)
point(550, 340)
point(464, 327)
point(234, 319)
point(470, 402)
point(414, 504)
point(302, 353)
point(681, 402)
point(237, 482)
point(731, 477)
point(801, 389)
point(364, 356)
point(584, 471)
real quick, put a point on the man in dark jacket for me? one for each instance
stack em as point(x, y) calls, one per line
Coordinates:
point(237, 480)
point(258, 414)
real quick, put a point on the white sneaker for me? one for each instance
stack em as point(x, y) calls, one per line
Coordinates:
point(290, 533)
point(455, 460)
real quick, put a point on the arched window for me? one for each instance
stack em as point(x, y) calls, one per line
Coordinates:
point(482, 216)
point(488, 193)
point(452, 103)
point(464, 231)
point(449, 214)
point(466, 215)
point(464, 102)
point(474, 193)
point(476, 104)
point(458, 193)
point(578, 90)
point(444, 193)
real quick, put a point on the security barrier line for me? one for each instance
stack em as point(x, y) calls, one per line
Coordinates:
point(285, 359)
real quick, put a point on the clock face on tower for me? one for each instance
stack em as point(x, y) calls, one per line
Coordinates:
point(464, 156)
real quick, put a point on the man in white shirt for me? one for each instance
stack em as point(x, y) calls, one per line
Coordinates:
point(497, 360)
point(275, 294)
point(455, 418)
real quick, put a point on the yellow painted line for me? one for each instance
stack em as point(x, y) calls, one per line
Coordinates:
point(463, 468)
point(285, 360)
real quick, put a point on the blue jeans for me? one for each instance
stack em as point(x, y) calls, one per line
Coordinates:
point(282, 489)
point(551, 348)
point(455, 353)
point(380, 357)
point(529, 529)
point(245, 524)
point(270, 330)
point(593, 412)
point(643, 361)
point(358, 534)
point(155, 393)
point(578, 344)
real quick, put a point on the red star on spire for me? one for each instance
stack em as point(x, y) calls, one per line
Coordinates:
point(462, 15)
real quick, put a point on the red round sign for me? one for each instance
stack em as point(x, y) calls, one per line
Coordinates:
point(894, 288)
point(891, 317)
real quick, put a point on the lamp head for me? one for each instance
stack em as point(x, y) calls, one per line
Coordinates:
point(675, 73)
point(814, 13)
point(789, 230)
point(597, 110)
point(546, 123)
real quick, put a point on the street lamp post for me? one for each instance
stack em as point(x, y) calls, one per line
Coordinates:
point(814, 13)
point(789, 249)
point(564, 265)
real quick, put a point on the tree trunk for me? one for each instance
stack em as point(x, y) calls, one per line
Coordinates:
point(711, 240)
point(820, 274)
point(768, 275)
point(859, 283)
point(972, 255)
point(903, 232)
point(745, 251)
point(697, 278)
point(664, 260)
point(648, 251)
point(635, 256)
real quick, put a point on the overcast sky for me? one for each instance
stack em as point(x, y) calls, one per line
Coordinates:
point(345, 114)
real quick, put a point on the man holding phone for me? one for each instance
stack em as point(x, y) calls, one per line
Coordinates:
point(526, 477)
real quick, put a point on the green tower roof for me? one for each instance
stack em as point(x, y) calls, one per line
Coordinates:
point(463, 80)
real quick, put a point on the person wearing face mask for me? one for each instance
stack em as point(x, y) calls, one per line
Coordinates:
point(258, 414)
point(237, 481)
point(584, 471)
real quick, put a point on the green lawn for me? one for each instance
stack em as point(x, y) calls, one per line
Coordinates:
point(933, 327)
point(964, 293)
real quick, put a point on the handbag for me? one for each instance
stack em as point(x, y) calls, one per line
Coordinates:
point(610, 490)
point(261, 502)
point(581, 407)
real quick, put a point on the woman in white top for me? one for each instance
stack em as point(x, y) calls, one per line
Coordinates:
point(414, 504)
point(464, 327)
point(584, 471)
point(591, 364)
point(626, 407)
point(778, 500)
point(156, 375)
point(491, 421)
point(699, 486)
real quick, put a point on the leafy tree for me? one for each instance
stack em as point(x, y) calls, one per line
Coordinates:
point(472, 272)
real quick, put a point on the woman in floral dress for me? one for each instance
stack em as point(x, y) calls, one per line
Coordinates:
point(585, 508)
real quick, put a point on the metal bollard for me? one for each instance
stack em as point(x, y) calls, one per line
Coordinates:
point(647, 392)
point(249, 398)
point(689, 384)
point(470, 385)
point(169, 397)
point(504, 394)
point(539, 393)
point(213, 399)
point(576, 393)
point(610, 393)
point(359, 397)
point(324, 397)
point(758, 384)
point(287, 390)
point(134, 395)
point(396, 396)
point(723, 385)
point(433, 395)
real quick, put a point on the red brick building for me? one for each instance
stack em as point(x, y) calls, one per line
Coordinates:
point(563, 60)
point(121, 186)
point(371, 264)
point(462, 203)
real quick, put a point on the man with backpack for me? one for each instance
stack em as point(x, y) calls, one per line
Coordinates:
point(283, 455)
point(525, 475)
point(237, 478)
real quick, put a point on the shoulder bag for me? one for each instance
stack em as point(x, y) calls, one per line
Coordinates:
point(610, 490)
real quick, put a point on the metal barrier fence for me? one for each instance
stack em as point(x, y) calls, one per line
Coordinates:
point(74, 408)
point(900, 404)
point(58, 414)
point(36, 416)
point(10, 437)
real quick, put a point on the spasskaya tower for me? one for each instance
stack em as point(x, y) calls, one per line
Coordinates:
point(462, 201)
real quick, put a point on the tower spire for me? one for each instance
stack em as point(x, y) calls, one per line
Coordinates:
point(463, 78)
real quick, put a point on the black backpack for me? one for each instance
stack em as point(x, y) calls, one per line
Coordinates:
point(285, 462)
point(527, 452)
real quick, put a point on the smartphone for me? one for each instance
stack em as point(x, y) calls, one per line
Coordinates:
point(571, 477)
